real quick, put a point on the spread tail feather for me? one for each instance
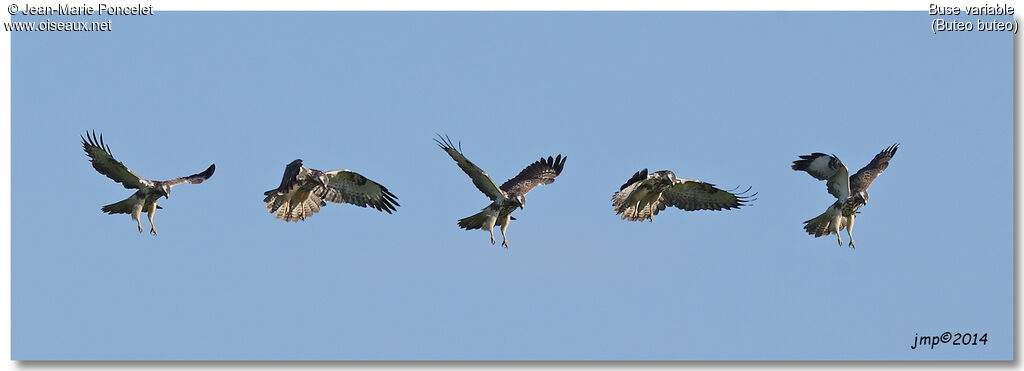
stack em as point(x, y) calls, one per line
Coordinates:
point(121, 207)
point(473, 222)
point(819, 226)
point(292, 211)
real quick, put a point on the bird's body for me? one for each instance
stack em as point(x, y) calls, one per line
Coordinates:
point(644, 195)
point(149, 191)
point(496, 214)
point(303, 191)
point(851, 192)
point(509, 196)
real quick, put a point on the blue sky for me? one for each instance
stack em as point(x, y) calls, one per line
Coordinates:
point(729, 98)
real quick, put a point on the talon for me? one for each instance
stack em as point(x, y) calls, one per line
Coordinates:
point(153, 231)
point(504, 243)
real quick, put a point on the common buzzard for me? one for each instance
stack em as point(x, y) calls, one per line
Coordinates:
point(148, 190)
point(851, 192)
point(644, 195)
point(506, 198)
point(303, 191)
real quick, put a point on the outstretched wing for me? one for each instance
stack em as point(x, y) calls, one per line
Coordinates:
point(291, 171)
point(638, 176)
point(194, 178)
point(689, 194)
point(481, 180)
point(863, 178)
point(542, 171)
point(104, 163)
point(825, 167)
point(345, 186)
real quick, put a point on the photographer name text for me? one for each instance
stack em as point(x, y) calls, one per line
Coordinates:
point(83, 9)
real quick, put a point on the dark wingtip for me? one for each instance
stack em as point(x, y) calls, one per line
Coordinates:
point(639, 175)
point(87, 138)
point(91, 139)
point(103, 144)
point(556, 163)
point(552, 162)
point(209, 171)
point(805, 161)
point(445, 142)
point(743, 199)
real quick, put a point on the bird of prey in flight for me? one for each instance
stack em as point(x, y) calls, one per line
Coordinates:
point(149, 191)
point(506, 198)
point(851, 192)
point(644, 195)
point(303, 191)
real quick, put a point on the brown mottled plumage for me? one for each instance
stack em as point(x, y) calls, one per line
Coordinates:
point(303, 191)
point(851, 192)
point(149, 191)
point(644, 195)
point(506, 198)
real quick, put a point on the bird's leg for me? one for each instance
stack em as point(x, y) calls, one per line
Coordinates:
point(489, 226)
point(836, 227)
point(649, 202)
point(136, 213)
point(849, 230)
point(504, 239)
point(150, 212)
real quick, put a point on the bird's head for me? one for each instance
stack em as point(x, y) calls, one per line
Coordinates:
point(520, 201)
point(667, 177)
point(165, 190)
point(861, 197)
point(311, 175)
